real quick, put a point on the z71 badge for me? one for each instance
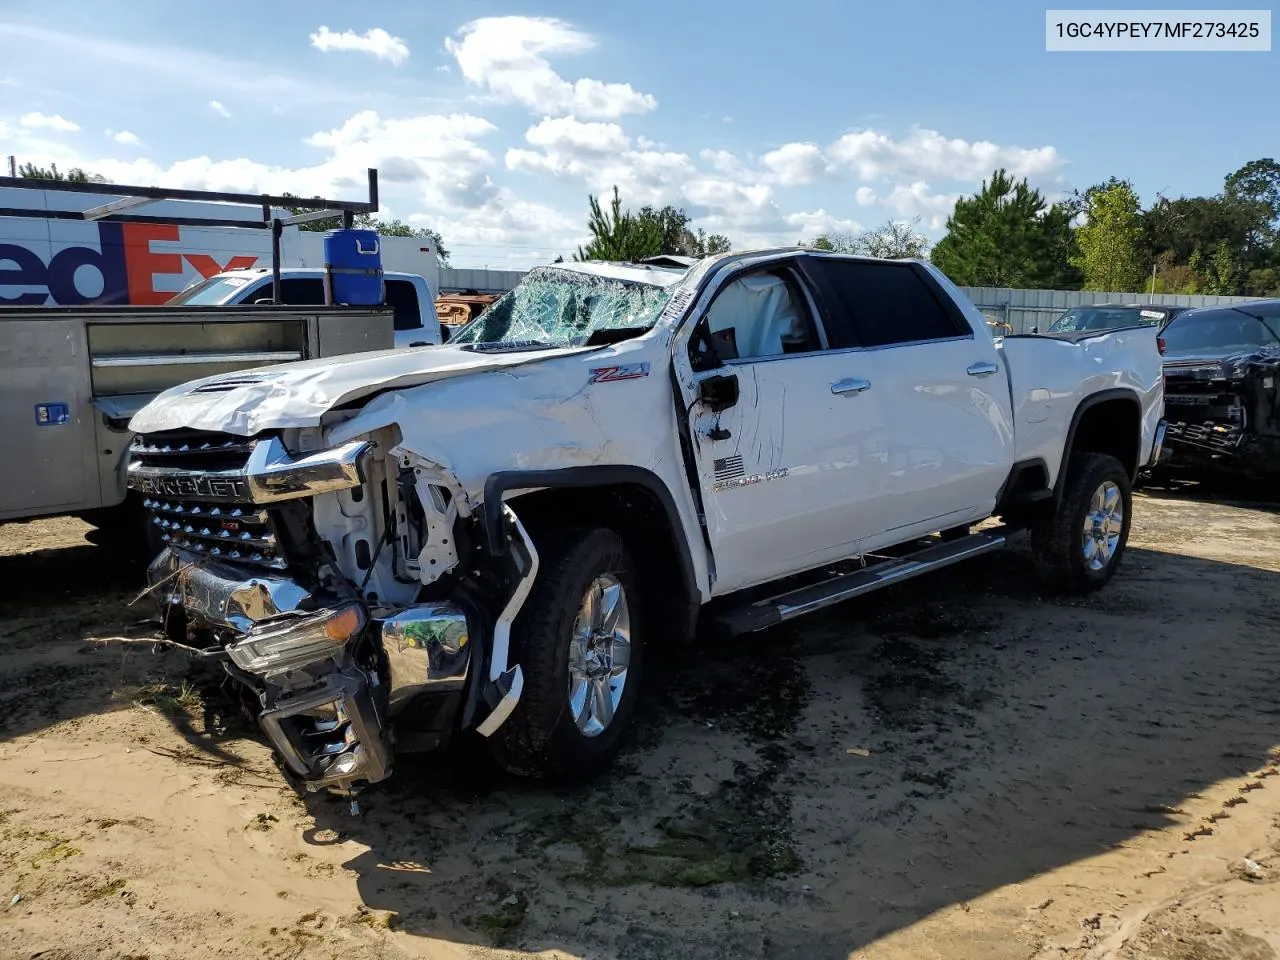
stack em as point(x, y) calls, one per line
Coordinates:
point(634, 371)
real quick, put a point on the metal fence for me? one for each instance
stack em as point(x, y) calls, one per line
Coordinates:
point(1024, 310)
point(481, 281)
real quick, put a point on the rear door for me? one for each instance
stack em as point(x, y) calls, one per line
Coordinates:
point(940, 389)
point(790, 469)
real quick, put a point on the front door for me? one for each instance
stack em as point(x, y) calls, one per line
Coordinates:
point(791, 468)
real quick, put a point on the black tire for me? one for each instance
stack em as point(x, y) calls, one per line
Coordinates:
point(1058, 540)
point(541, 737)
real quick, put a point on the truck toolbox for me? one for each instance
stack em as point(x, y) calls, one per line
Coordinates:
point(72, 377)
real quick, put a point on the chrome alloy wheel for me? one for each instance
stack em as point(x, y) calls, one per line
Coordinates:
point(599, 654)
point(1102, 526)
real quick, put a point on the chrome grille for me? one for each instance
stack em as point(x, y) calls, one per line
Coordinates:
point(219, 530)
point(193, 497)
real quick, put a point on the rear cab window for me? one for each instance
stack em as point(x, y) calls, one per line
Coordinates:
point(402, 297)
point(880, 304)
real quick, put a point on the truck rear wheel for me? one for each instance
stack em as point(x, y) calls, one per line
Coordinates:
point(1078, 548)
point(580, 646)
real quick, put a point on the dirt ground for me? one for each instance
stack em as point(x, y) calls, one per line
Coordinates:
point(955, 768)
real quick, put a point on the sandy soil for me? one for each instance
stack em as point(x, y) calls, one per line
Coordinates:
point(956, 768)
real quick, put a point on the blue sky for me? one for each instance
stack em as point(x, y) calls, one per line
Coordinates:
point(492, 122)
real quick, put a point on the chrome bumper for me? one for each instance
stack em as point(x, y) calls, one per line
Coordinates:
point(329, 719)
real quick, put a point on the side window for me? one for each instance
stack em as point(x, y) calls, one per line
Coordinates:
point(402, 297)
point(887, 303)
point(756, 316)
point(307, 292)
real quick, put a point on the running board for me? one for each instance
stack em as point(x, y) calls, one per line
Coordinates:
point(846, 586)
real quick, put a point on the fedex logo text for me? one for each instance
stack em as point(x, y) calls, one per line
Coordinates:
point(125, 258)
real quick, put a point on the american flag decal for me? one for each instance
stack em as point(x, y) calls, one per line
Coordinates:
point(729, 468)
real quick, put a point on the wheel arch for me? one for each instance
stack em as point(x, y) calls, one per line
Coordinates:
point(1110, 422)
point(630, 500)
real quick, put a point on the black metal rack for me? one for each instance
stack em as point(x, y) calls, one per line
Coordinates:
point(131, 197)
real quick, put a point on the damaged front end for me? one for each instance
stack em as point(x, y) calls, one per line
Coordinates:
point(351, 589)
point(1223, 416)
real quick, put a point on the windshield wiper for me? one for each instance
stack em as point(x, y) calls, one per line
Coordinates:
point(508, 346)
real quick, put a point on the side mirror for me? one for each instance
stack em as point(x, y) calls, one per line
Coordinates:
point(1035, 329)
point(444, 333)
point(719, 392)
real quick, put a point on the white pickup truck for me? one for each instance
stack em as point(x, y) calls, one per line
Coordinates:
point(395, 548)
point(409, 295)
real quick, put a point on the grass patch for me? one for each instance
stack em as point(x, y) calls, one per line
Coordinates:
point(171, 700)
point(60, 850)
point(106, 890)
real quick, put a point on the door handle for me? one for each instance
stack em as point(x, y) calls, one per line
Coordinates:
point(983, 368)
point(844, 388)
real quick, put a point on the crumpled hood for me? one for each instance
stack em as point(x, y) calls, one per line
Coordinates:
point(291, 395)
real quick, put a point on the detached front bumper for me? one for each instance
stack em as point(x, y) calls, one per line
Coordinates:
point(331, 674)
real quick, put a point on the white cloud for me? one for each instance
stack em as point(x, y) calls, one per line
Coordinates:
point(725, 162)
point(567, 134)
point(505, 220)
point(49, 121)
point(438, 155)
point(928, 154)
point(601, 156)
point(219, 109)
point(375, 42)
point(508, 57)
point(125, 137)
point(427, 162)
point(797, 163)
point(913, 200)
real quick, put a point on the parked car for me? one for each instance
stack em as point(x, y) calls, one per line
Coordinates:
point(1112, 316)
point(393, 549)
point(1222, 368)
point(408, 294)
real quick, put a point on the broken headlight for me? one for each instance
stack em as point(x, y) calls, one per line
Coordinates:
point(282, 645)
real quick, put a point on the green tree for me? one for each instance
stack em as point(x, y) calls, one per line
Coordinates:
point(677, 237)
point(618, 234)
point(1007, 235)
point(838, 241)
point(1112, 255)
point(387, 228)
point(30, 171)
point(895, 240)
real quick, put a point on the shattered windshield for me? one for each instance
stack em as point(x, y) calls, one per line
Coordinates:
point(562, 308)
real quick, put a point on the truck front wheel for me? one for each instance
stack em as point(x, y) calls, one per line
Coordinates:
point(1078, 547)
point(579, 643)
